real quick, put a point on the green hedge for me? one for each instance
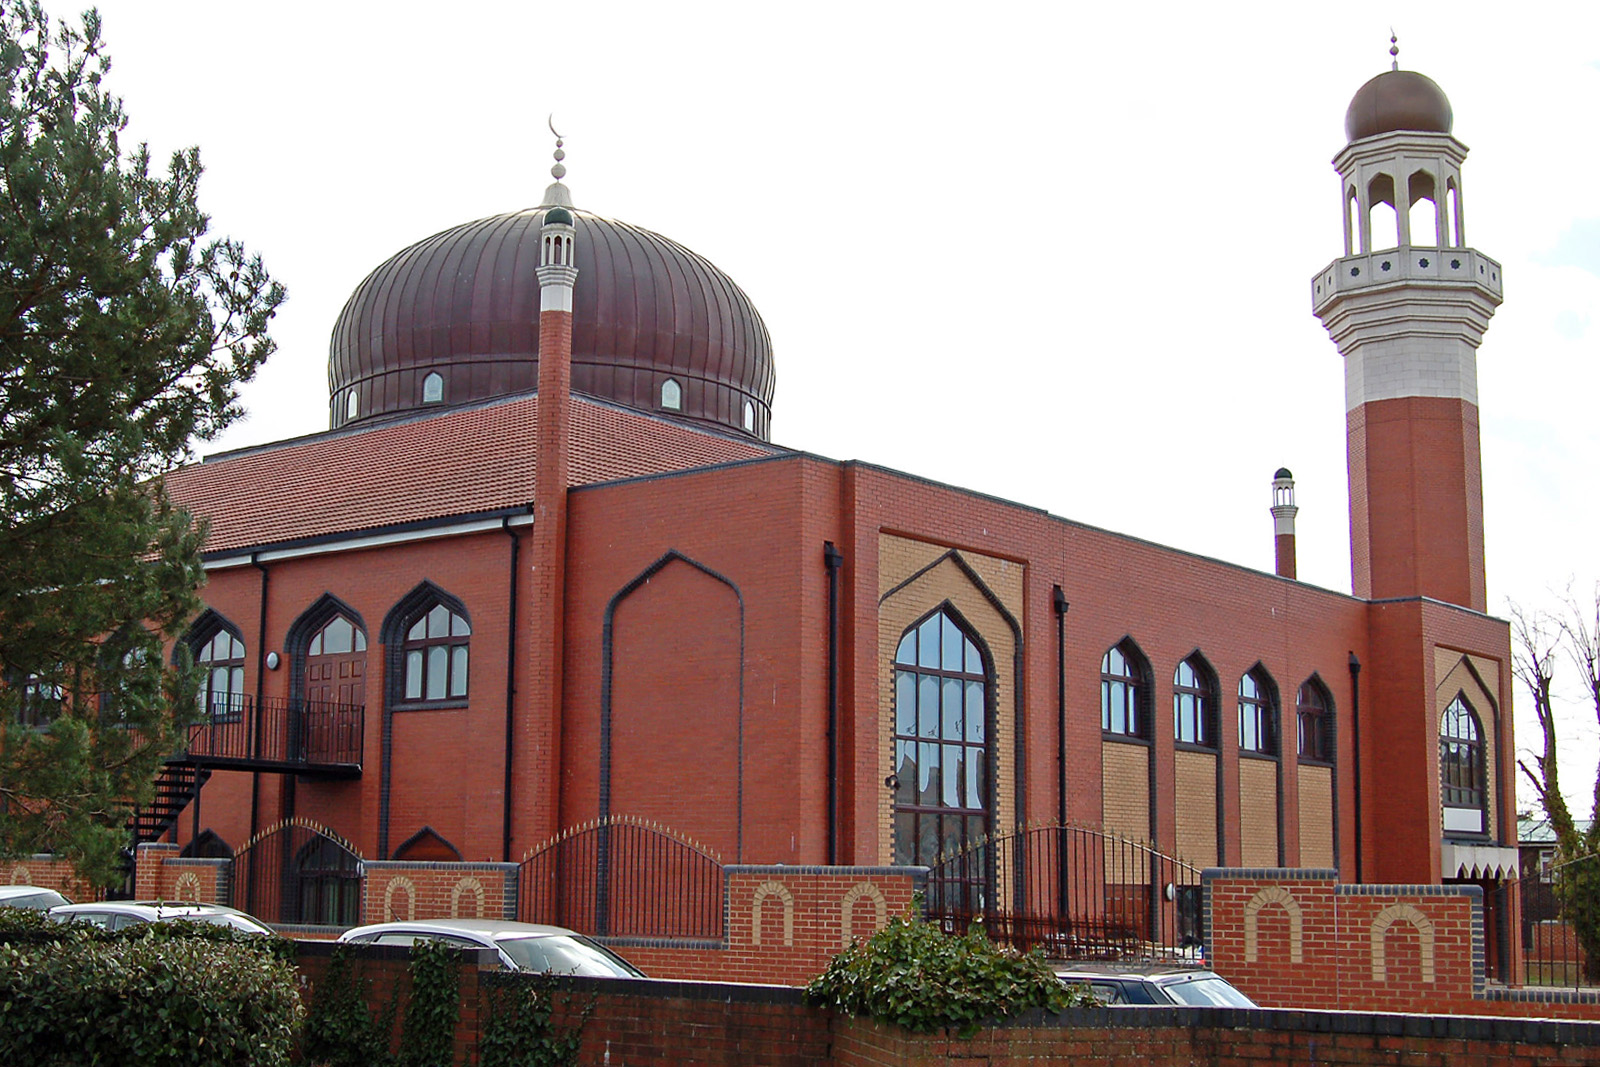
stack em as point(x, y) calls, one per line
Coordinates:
point(158, 995)
point(912, 974)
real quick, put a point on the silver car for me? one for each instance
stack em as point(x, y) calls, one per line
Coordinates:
point(116, 914)
point(33, 897)
point(521, 946)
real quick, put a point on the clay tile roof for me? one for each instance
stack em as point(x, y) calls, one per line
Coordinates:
point(457, 463)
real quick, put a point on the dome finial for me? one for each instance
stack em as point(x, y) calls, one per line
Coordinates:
point(1394, 50)
point(556, 193)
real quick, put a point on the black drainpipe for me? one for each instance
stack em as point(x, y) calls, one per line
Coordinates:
point(1355, 741)
point(834, 560)
point(261, 683)
point(1059, 599)
point(511, 685)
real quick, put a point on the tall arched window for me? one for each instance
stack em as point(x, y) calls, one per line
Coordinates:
point(436, 656)
point(941, 741)
point(672, 395)
point(1314, 717)
point(1462, 788)
point(221, 662)
point(1258, 719)
point(1194, 713)
point(1123, 692)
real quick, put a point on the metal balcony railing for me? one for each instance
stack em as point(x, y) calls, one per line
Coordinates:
point(278, 734)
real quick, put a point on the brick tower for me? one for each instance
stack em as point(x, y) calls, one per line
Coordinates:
point(1407, 305)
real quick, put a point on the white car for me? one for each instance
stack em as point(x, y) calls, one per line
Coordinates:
point(1166, 986)
point(36, 898)
point(116, 914)
point(522, 946)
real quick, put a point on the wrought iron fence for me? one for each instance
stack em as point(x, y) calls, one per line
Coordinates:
point(303, 732)
point(622, 877)
point(1551, 955)
point(1077, 892)
point(298, 873)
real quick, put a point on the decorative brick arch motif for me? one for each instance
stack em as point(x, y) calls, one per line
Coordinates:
point(187, 887)
point(1380, 932)
point(20, 876)
point(847, 910)
point(464, 888)
point(396, 886)
point(1273, 894)
point(763, 891)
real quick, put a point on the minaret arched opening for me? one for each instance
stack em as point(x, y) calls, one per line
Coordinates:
point(1422, 215)
point(1383, 223)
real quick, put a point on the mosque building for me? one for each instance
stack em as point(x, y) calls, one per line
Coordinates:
point(547, 571)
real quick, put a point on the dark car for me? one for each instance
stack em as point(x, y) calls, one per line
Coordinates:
point(1156, 985)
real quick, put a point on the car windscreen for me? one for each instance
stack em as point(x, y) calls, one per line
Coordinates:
point(40, 901)
point(566, 954)
point(220, 918)
point(1208, 992)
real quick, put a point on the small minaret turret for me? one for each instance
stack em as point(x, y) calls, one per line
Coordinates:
point(538, 747)
point(1408, 304)
point(1283, 513)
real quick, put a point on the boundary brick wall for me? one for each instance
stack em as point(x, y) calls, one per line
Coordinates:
point(48, 872)
point(715, 1024)
point(1301, 939)
point(783, 924)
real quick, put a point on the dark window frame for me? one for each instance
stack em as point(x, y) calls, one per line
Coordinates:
point(1463, 774)
point(1202, 695)
point(1259, 710)
point(962, 823)
point(1136, 697)
point(1314, 723)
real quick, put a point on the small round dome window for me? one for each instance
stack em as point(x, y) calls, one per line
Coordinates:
point(749, 416)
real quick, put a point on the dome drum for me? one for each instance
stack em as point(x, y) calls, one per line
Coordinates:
point(465, 304)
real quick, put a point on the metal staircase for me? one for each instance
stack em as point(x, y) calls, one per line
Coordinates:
point(176, 788)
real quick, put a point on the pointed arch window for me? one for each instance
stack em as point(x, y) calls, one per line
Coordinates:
point(1124, 692)
point(941, 771)
point(328, 884)
point(220, 658)
point(433, 388)
point(1194, 706)
point(42, 698)
point(1462, 779)
point(1314, 716)
point(436, 646)
point(1258, 717)
point(672, 395)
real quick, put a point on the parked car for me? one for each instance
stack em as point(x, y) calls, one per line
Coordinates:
point(522, 946)
point(1165, 986)
point(30, 896)
point(116, 914)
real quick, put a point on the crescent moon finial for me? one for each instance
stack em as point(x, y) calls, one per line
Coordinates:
point(558, 171)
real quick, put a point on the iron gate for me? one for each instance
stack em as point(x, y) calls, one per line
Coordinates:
point(1078, 893)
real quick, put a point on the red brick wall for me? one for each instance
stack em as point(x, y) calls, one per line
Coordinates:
point(47, 872)
point(648, 1023)
point(1300, 939)
point(806, 916)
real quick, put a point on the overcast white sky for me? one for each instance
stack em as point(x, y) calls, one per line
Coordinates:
point(1053, 252)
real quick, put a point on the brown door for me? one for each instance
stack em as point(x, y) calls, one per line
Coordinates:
point(336, 689)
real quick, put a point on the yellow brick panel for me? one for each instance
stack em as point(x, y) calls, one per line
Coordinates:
point(1125, 787)
point(1258, 813)
point(1195, 782)
point(1316, 817)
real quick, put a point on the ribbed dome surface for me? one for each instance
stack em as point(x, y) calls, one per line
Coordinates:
point(1398, 100)
point(465, 304)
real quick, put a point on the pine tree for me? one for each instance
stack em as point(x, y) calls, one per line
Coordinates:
point(124, 334)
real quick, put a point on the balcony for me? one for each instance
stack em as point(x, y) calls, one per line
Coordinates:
point(285, 736)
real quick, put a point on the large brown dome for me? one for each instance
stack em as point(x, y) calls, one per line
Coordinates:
point(1398, 100)
point(465, 304)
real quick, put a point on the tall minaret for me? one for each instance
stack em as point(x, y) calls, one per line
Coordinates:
point(539, 793)
point(1408, 305)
